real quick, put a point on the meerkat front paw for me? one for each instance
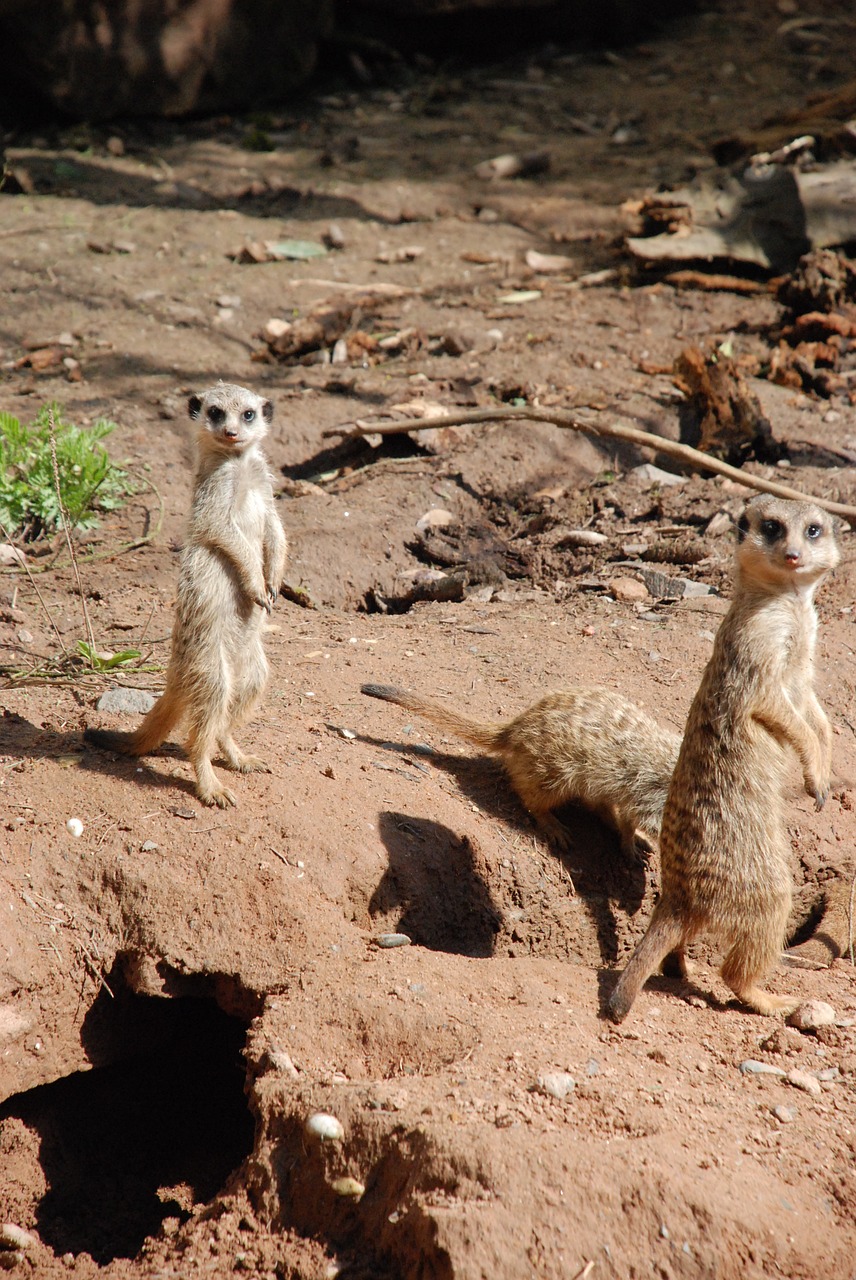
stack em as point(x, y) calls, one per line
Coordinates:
point(222, 798)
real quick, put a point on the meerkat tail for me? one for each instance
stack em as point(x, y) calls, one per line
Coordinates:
point(487, 736)
point(665, 934)
point(150, 734)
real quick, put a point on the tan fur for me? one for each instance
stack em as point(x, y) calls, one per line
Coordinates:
point(586, 745)
point(723, 848)
point(230, 575)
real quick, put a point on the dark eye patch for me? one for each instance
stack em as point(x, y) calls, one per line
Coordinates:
point(772, 530)
point(216, 415)
point(742, 527)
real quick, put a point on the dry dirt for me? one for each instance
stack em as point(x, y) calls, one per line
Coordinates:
point(181, 988)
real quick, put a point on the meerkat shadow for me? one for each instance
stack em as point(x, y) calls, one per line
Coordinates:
point(592, 855)
point(435, 888)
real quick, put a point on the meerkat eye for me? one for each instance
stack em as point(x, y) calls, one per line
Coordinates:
point(248, 415)
point(216, 415)
point(772, 530)
point(813, 531)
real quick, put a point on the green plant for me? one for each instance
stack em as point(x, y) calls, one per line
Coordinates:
point(89, 481)
point(100, 662)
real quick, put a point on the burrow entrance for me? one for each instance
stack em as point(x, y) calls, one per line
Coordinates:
point(123, 1147)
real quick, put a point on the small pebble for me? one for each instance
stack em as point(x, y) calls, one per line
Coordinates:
point(14, 1237)
point(805, 1081)
point(811, 1015)
point(751, 1067)
point(282, 1062)
point(324, 1126)
point(148, 846)
point(392, 940)
point(75, 826)
point(556, 1084)
point(348, 1187)
point(784, 1114)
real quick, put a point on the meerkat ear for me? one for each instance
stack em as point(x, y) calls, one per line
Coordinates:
point(742, 527)
point(194, 407)
point(267, 411)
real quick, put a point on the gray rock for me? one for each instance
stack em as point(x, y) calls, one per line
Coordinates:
point(812, 1014)
point(392, 940)
point(131, 701)
point(751, 1067)
point(556, 1084)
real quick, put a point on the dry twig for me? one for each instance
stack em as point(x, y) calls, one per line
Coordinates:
point(567, 421)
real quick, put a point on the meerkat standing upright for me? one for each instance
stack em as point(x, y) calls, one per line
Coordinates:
point(723, 846)
point(230, 575)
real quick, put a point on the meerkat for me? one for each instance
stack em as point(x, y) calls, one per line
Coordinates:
point(587, 745)
point(230, 575)
point(724, 852)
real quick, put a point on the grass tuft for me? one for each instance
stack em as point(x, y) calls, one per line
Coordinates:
point(90, 483)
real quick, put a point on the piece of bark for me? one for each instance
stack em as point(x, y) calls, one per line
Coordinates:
point(721, 411)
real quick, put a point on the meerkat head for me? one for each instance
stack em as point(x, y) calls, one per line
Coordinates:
point(230, 417)
point(782, 543)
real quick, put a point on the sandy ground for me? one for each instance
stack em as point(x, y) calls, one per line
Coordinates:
point(181, 988)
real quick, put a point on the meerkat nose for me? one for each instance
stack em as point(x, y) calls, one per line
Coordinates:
point(792, 557)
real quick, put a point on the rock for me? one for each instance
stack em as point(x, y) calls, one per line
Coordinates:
point(578, 537)
point(784, 1114)
point(392, 940)
point(804, 1080)
point(348, 1187)
point(627, 589)
point(154, 57)
point(281, 1062)
point(275, 328)
point(556, 1084)
point(663, 587)
point(14, 1237)
point(324, 1126)
point(656, 475)
point(436, 518)
point(751, 1067)
point(130, 701)
point(12, 1023)
point(811, 1015)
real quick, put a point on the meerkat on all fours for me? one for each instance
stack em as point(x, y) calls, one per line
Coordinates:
point(230, 575)
point(587, 745)
point(724, 851)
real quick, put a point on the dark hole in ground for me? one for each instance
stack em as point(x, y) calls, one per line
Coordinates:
point(125, 1146)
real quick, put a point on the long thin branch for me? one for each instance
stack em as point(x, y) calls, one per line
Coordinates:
point(567, 421)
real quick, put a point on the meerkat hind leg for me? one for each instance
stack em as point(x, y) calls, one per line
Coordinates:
point(239, 760)
point(744, 967)
point(200, 748)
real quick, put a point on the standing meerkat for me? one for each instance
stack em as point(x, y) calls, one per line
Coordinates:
point(230, 575)
point(587, 745)
point(724, 852)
